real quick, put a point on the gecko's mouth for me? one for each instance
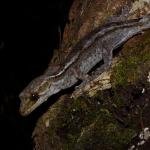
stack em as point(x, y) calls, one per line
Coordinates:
point(24, 113)
point(27, 106)
point(25, 109)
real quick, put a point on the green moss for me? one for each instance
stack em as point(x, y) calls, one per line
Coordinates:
point(84, 125)
point(135, 60)
point(118, 138)
point(105, 111)
point(104, 133)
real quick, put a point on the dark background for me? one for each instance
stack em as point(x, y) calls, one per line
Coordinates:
point(28, 35)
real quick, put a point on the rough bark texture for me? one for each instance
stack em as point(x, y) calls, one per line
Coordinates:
point(114, 108)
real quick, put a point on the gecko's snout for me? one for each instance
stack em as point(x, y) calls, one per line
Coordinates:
point(25, 106)
point(25, 103)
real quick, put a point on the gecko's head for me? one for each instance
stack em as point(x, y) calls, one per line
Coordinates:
point(36, 93)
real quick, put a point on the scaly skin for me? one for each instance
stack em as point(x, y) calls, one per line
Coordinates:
point(93, 48)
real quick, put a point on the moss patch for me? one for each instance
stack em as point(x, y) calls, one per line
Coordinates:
point(135, 62)
point(104, 133)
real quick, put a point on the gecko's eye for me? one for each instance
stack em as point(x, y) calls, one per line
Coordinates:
point(34, 96)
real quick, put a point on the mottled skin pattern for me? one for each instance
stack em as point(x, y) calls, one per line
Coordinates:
point(93, 48)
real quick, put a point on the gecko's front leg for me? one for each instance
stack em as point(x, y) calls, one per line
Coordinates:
point(85, 78)
point(107, 58)
point(80, 87)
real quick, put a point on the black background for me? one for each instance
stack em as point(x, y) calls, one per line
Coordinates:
point(29, 32)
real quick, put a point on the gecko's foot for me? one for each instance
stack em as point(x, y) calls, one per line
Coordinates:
point(80, 88)
point(85, 81)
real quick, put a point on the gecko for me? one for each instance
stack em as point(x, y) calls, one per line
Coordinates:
point(95, 47)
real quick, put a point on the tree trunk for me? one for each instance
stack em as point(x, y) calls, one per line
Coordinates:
point(115, 107)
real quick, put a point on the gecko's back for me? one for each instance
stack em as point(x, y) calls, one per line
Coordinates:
point(102, 46)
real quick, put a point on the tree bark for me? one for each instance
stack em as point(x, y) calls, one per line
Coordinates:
point(114, 108)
